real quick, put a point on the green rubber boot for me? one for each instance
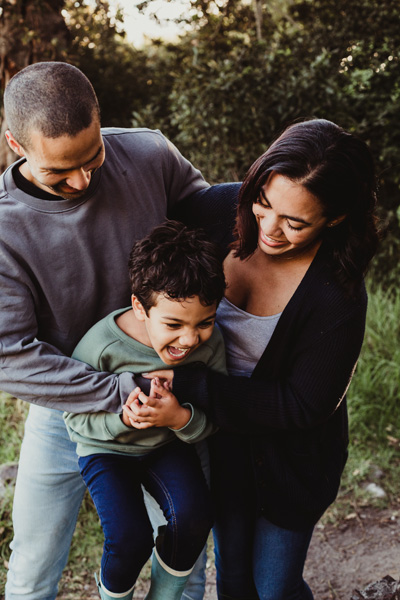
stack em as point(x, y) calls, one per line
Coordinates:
point(166, 583)
point(106, 595)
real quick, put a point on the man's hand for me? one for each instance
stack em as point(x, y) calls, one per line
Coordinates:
point(159, 409)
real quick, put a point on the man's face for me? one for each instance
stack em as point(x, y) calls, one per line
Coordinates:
point(64, 166)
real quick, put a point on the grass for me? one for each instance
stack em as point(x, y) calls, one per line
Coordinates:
point(12, 417)
point(88, 538)
point(373, 401)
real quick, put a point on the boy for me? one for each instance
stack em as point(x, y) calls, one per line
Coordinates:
point(177, 282)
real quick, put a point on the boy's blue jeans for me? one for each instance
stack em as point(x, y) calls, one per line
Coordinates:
point(173, 476)
point(255, 559)
point(47, 500)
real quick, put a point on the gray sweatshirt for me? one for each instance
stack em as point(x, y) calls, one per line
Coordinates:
point(63, 267)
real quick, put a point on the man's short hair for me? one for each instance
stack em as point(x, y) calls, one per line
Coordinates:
point(53, 98)
point(178, 263)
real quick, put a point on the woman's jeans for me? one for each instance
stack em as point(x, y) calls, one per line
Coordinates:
point(254, 558)
point(47, 499)
point(173, 476)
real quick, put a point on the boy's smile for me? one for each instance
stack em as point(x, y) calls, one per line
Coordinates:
point(174, 328)
point(177, 353)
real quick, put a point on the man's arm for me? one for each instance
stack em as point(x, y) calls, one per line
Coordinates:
point(38, 372)
point(212, 209)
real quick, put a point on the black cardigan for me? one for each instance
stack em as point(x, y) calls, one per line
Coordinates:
point(292, 411)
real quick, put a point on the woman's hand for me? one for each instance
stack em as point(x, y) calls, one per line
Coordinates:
point(165, 375)
point(159, 409)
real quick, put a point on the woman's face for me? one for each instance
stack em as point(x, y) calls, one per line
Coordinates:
point(289, 218)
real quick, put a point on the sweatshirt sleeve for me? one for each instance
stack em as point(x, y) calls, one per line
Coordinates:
point(198, 427)
point(36, 371)
point(181, 178)
point(307, 394)
point(99, 426)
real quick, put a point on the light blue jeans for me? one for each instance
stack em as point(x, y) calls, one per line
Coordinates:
point(48, 495)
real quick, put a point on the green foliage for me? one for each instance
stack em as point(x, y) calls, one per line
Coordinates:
point(12, 417)
point(373, 398)
point(231, 94)
point(374, 394)
point(116, 69)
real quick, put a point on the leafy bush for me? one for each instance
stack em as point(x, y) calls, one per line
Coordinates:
point(230, 93)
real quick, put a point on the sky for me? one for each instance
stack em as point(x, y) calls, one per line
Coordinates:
point(138, 26)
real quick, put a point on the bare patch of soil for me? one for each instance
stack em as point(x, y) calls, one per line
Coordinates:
point(348, 556)
point(360, 550)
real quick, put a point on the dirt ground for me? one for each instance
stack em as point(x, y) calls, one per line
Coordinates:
point(350, 555)
point(361, 550)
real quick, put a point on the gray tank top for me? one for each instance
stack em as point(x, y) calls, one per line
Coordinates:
point(246, 336)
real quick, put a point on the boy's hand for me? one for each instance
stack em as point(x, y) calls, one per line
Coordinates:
point(127, 415)
point(159, 409)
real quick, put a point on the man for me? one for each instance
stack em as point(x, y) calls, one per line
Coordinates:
point(70, 209)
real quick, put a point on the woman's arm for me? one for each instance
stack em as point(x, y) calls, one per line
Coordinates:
point(212, 209)
point(307, 393)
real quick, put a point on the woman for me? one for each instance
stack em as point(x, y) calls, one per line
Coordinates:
point(293, 321)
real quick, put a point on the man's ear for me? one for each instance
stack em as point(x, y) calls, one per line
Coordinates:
point(138, 308)
point(336, 221)
point(12, 142)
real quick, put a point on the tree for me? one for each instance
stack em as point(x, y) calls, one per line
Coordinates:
point(118, 72)
point(84, 33)
point(363, 66)
point(30, 30)
point(233, 92)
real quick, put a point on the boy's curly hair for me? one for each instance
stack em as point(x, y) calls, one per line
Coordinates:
point(177, 262)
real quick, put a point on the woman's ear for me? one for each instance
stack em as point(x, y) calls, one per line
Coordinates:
point(336, 221)
point(138, 308)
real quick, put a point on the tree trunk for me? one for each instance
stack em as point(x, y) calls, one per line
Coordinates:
point(30, 31)
point(257, 8)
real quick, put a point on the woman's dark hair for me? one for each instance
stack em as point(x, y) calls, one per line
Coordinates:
point(338, 169)
point(177, 262)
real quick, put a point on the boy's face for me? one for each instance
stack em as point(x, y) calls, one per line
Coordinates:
point(176, 328)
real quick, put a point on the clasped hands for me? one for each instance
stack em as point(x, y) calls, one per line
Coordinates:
point(159, 409)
